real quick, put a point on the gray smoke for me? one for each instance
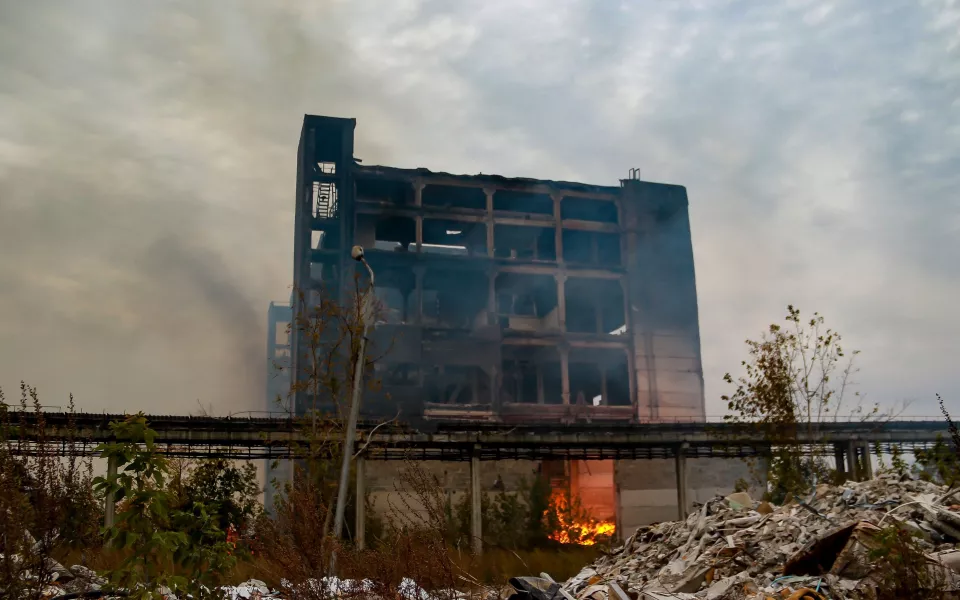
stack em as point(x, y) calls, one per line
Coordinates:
point(147, 163)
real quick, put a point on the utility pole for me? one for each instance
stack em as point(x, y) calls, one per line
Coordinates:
point(366, 314)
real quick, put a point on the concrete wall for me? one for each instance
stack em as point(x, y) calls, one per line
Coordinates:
point(388, 491)
point(647, 489)
point(634, 492)
point(669, 377)
point(664, 318)
point(593, 482)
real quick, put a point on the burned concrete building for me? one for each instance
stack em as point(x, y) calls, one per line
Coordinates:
point(512, 301)
point(507, 299)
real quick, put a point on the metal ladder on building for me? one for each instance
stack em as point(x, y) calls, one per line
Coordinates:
point(325, 200)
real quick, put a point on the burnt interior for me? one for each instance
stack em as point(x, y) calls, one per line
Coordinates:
point(498, 298)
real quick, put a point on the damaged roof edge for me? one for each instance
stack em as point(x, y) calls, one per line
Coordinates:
point(498, 180)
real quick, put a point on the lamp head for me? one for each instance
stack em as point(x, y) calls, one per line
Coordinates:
point(357, 253)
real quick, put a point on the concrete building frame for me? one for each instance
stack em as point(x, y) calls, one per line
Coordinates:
point(505, 300)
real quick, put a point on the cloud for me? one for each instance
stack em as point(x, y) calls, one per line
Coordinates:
point(147, 160)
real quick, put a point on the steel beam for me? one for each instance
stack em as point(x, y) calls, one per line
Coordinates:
point(258, 438)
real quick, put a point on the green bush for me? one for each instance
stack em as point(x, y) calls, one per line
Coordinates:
point(164, 540)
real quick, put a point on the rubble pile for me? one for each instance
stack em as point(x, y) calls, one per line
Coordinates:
point(79, 582)
point(816, 547)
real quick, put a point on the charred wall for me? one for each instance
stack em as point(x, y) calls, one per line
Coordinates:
point(663, 302)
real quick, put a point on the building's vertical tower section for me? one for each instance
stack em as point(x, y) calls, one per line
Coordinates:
point(324, 224)
point(665, 331)
point(279, 317)
point(277, 391)
point(663, 301)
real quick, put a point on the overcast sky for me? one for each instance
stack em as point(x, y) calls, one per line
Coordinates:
point(147, 162)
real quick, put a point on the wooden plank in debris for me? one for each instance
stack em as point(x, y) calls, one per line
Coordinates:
point(616, 592)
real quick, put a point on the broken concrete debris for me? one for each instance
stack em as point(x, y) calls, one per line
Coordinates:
point(84, 583)
point(811, 548)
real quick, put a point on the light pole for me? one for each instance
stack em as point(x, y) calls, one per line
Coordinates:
point(366, 313)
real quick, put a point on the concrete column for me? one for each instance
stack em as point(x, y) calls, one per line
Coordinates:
point(418, 202)
point(604, 398)
point(490, 227)
point(558, 231)
point(632, 382)
point(476, 505)
point(418, 273)
point(598, 317)
point(867, 462)
point(540, 393)
point(110, 505)
point(626, 305)
point(475, 386)
point(418, 186)
point(838, 458)
point(490, 238)
point(492, 293)
point(681, 464)
point(853, 472)
point(561, 300)
point(565, 374)
point(361, 524)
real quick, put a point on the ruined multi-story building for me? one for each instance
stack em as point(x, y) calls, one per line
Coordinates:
point(511, 300)
point(507, 299)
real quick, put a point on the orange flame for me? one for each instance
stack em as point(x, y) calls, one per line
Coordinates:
point(575, 527)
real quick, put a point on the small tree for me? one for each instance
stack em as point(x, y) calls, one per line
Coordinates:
point(902, 569)
point(954, 434)
point(941, 463)
point(897, 462)
point(230, 490)
point(156, 534)
point(797, 376)
point(328, 334)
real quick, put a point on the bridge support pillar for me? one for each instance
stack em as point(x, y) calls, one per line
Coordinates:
point(476, 514)
point(110, 504)
point(867, 473)
point(681, 464)
point(361, 510)
point(839, 460)
point(853, 470)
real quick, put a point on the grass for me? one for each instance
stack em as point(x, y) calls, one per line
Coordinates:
point(494, 567)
